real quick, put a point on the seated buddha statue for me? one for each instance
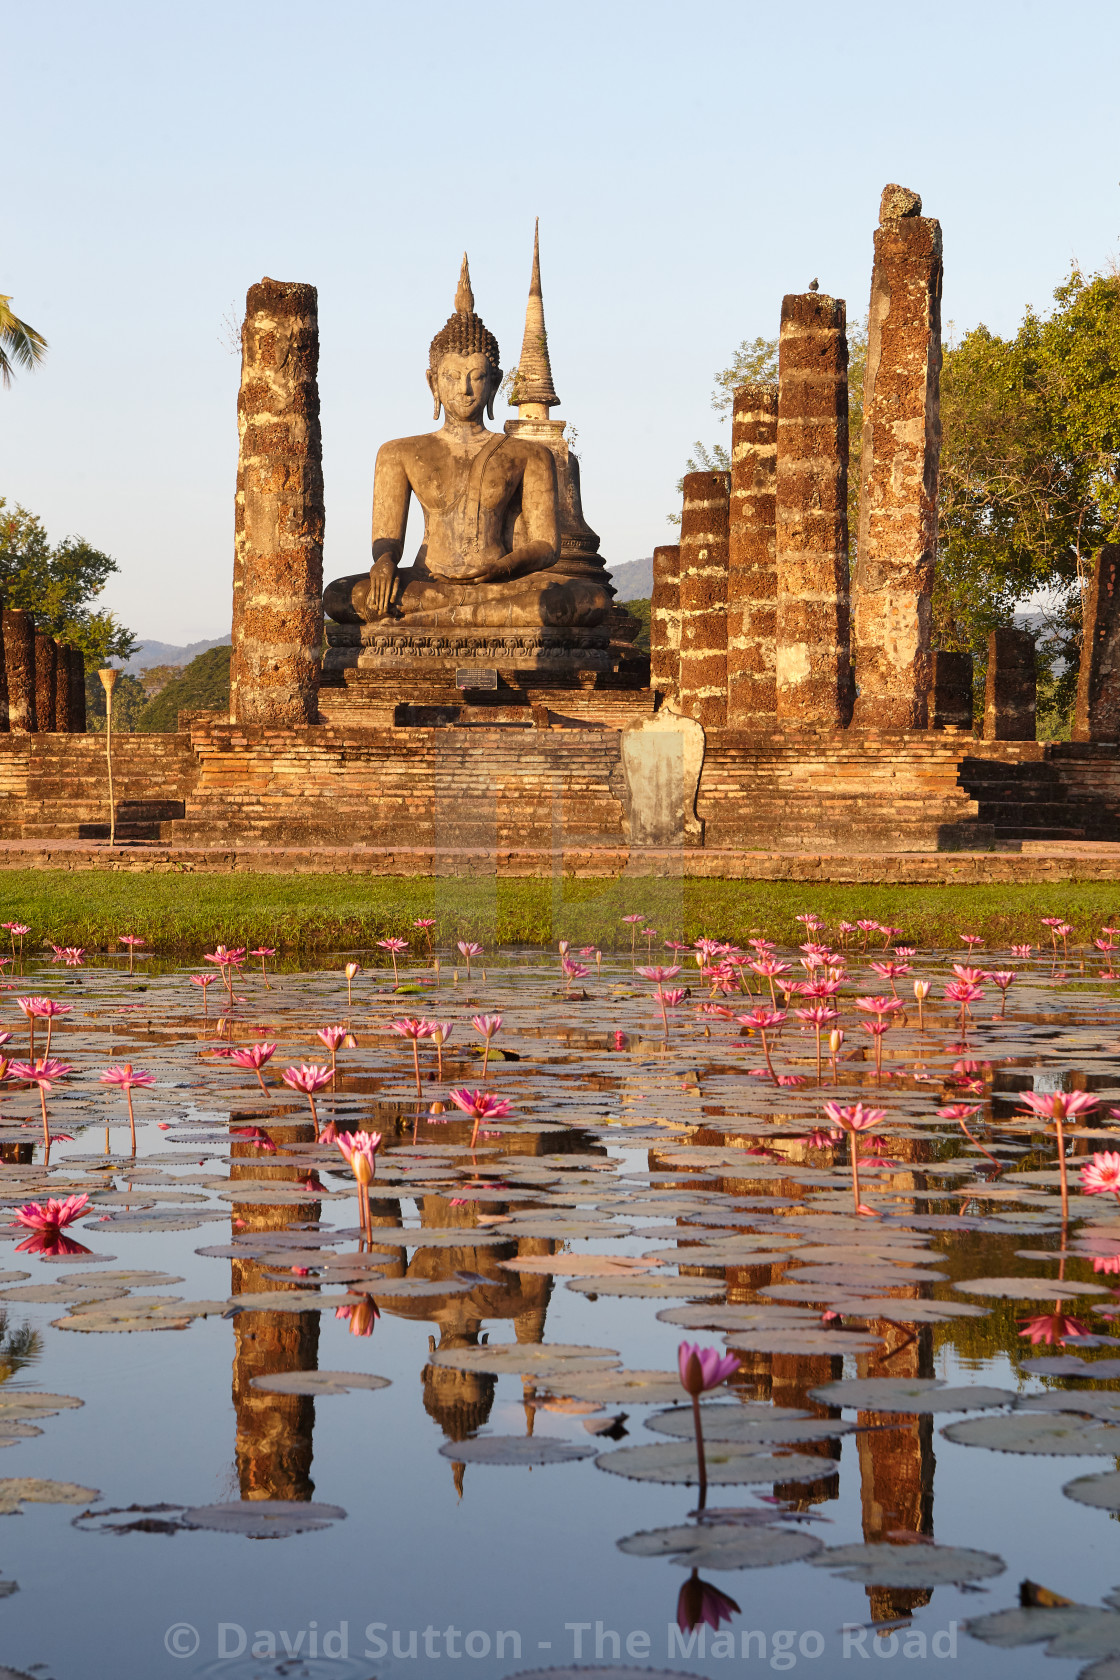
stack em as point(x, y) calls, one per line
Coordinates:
point(491, 553)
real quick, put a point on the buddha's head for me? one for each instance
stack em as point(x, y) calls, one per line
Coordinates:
point(463, 367)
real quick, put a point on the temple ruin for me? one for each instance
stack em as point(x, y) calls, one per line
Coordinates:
point(483, 705)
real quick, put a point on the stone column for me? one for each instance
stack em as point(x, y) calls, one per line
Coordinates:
point(665, 621)
point(704, 517)
point(77, 674)
point(1097, 713)
point(62, 716)
point(950, 691)
point(46, 675)
point(5, 724)
point(751, 567)
point(278, 546)
point(893, 587)
point(19, 668)
point(812, 657)
point(1009, 693)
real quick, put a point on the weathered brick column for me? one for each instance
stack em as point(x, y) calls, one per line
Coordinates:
point(1010, 691)
point(1097, 713)
point(5, 723)
point(19, 668)
point(812, 656)
point(278, 545)
point(892, 591)
point(46, 675)
point(63, 721)
point(77, 675)
point(704, 517)
point(665, 621)
point(751, 564)
point(950, 691)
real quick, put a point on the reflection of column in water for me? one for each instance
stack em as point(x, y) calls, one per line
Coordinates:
point(274, 1431)
point(792, 1376)
point(896, 1462)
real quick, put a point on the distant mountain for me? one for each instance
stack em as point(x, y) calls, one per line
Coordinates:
point(633, 579)
point(166, 653)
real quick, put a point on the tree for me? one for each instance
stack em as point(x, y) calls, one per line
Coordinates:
point(56, 585)
point(1030, 474)
point(756, 362)
point(203, 685)
point(18, 342)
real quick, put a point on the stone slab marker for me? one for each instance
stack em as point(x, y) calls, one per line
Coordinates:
point(278, 546)
point(77, 673)
point(893, 587)
point(950, 691)
point(19, 668)
point(812, 664)
point(665, 621)
point(62, 715)
point(704, 520)
point(1010, 691)
point(46, 675)
point(751, 562)
point(1097, 713)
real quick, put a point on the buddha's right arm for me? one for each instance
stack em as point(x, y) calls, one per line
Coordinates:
point(391, 493)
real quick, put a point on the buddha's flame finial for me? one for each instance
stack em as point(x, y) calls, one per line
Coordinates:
point(535, 282)
point(464, 297)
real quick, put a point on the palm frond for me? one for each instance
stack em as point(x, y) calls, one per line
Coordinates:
point(19, 342)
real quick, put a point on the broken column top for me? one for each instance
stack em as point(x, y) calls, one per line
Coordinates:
point(897, 202)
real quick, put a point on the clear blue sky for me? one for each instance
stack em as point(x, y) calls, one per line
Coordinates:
point(689, 166)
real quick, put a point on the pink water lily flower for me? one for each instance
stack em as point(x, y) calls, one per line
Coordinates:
point(360, 1150)
point(413, 1028)
point(254, 1056)
point(480, 1105)
point(394, 947)
point(310, 1079)
point(42, 1009)
point(51, 1215)
point(1059, 1106)
point(127, 1078)
point(702, 1369)
point(488, 1025)
point(469, 949)
point(1101, 1175)
point(698, 1602)
point(762, 1021)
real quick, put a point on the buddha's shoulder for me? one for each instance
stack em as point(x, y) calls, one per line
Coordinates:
point(408, 448)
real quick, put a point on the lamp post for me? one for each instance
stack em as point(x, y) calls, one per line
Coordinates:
point(108, 682)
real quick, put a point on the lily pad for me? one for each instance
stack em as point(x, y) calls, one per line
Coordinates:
point(516, 1449)
point(318, 1382)
point(1027, 1288)
point(15, 1490)
point(749, 1426)
point(914, 1565)
point(728, 1466)
point(519, 1359)
point(657, 1288)
point(1102, 1491)
point(907, 1311)
point(638, 1387)
point(1030, 1432)
point(807, 1342)
point(908, 1394)
point(711, 1545)
point(263, 1519)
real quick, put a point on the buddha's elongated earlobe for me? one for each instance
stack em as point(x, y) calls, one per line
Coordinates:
point(495, 386)
point(433, 386)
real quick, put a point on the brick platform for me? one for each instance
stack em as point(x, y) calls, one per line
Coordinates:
point(543, 782)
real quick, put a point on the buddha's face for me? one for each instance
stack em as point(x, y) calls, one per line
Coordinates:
point(464, 384)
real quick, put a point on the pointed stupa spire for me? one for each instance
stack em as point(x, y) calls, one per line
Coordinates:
point(534, 371)
point(464, 297)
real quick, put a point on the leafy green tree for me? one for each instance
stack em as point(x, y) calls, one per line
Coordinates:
point(19, 343)
point(1030, 474)
point(57, 584)
point(756, 362)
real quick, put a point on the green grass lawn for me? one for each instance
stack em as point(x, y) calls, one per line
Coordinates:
point(186, 914)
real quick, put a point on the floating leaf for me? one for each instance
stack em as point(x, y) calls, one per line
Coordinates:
point(15, 1490)
point(263, 1519)
point(1031, 1433)
point(675, 1462)
point(318, 1382)
point(711, 1545)
point(749, 1425)
point(917, 1565)
point(655, 1287)
point(807, 1342)
point(525, 1359)
point(1027, 1288)
point(908, 1394)
point(516, 1449)
point(575, 1265)
point(638, 1387)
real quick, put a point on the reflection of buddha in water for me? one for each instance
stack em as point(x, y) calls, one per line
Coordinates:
point(491, 554)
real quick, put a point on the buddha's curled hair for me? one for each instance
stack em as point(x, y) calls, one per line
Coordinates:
point(465, 333)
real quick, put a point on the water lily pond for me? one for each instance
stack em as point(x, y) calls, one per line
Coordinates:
point(272, 1406)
